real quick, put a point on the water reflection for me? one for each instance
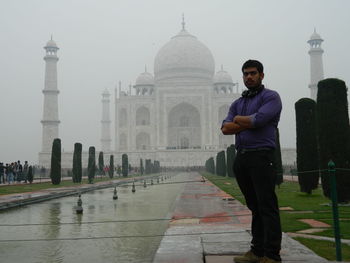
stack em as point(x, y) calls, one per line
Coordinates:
point(152, 202)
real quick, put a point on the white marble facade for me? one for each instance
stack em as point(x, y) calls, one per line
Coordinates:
point(174, 116)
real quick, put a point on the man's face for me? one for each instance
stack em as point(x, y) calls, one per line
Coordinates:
point(252, 78)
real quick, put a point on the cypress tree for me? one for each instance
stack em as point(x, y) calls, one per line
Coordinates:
point(30, 174)
point(278, 159)
point(125, 164)
point(77, 166)
point(101, 163)
point(148, 166)
point(334, 131)
point(91, 165)
point(156, 166)
point(55, 173)
point(217, 167)
point(211, 165)
point(221, 163)
point(151, 167)
point(307, 145)
point(141, 167)
point(230, 155)
point(111, 166)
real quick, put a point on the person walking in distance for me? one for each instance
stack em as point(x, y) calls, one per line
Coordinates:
point(253, 118)
point(25, 171)
point(2, 173)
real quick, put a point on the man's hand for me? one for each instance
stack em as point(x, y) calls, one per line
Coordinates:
point(243, 121)
point(232, 128)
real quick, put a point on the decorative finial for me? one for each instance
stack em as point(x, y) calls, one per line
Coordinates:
point(183, 21)
point(51, 36)
point(314, 29)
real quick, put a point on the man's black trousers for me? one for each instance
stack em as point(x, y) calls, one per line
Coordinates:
point(256, 177)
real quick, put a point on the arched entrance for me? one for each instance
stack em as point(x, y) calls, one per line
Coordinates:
point(184, 127)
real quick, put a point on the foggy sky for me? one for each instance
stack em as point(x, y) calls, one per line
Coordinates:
point(102, 42)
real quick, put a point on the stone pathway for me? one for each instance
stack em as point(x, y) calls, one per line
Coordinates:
point(217, 228)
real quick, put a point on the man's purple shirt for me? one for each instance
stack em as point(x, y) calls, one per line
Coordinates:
point(264, 110)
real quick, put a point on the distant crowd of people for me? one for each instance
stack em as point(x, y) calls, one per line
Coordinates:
point(14, 172)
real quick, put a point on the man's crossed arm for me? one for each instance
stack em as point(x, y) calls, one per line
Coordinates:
point(240, 123)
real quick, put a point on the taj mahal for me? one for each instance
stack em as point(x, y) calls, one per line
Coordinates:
point(173, 116)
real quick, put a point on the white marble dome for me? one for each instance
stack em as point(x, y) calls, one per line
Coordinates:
point(222, 77)
point(144, 78)
point(315, 36)
point(51, 43)
point(184, 57)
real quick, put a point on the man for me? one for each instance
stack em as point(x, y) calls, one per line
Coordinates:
point(19, 170)
point(25, 171)
point(253, 118)
point(2, 173)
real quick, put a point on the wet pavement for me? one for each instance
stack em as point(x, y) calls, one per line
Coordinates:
point(207, 225)
point(214, 235)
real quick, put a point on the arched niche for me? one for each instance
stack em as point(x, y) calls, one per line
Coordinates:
point(142, 116)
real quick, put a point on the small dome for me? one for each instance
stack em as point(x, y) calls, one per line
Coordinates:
point(144, 78)
point(51, 43)
point(222, 77)
point(315, 36)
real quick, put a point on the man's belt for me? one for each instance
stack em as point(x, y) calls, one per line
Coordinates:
point(254, 149)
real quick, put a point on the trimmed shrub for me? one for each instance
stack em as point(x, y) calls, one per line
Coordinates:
point(148, 169)
point(91, 165)
point(221, 164)
point(307, 144)
point(77, 166)
point(334, 134)
point(141, 167)
point(211, 165)
point(125, 164)
point(55, 172)
point(101, 163)
point(111, 166)
point(156, 167)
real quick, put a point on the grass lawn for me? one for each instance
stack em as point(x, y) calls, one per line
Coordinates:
point(344, 229)
point(305, 207)
point(22, 188)
point(325, 249)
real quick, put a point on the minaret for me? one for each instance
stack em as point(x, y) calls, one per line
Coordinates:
point(105, 123)
point(316, 63)
point(50, 119)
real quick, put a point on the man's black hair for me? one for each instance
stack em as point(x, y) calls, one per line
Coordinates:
point(253, 64)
